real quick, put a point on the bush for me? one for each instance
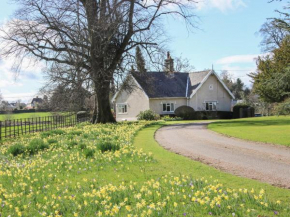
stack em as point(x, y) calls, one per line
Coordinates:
point(283, 108)
point(107, 146)
point(148, 115)
point(89, 153)
point(16, 149)
point(185, 112)
point(36, 145)
point(243, 111)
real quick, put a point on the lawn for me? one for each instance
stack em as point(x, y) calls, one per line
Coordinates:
point(68, 172)
point(24, 115)
point(261, 129)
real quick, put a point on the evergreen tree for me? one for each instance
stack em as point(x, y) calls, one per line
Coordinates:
point(272, 80)
point(140, 61)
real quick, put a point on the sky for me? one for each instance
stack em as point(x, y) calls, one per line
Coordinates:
point(226, 38)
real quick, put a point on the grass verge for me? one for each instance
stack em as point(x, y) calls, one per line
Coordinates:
point(273, 130)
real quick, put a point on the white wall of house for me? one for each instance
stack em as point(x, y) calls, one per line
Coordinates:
point(135, 101)
point(157, 104)
point(211, 91)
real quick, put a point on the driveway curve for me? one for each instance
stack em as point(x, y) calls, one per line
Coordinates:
point(265, 162)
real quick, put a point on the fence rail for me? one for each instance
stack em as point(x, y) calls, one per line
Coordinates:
point(16, 127)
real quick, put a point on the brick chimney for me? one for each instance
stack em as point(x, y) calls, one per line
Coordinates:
point(169, 66)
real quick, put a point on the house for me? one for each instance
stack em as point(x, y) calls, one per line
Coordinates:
point(163, 92)
point(35, 102)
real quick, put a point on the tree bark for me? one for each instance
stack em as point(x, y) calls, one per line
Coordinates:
point(104, 113)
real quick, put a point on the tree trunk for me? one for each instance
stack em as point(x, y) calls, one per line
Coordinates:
point(104, 113)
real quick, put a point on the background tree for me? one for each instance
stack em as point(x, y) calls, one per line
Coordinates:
point(238, 88)
point(91, 37)
point(183, 65)
point(272, 79)
point(68, 99)
point(140, 61)
point(227, 78)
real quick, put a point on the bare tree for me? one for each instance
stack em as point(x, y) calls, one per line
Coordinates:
point(275, 29)
point(183, 65)
point(89, 37)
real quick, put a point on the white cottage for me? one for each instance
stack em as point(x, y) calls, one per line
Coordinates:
point(163, 92)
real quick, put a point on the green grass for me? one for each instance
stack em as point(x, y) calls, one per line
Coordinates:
point(24, 115)
point(261, 129)
point(177, 164)
point(80, 180)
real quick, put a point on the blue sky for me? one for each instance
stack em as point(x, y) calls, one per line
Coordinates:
point(226, 38)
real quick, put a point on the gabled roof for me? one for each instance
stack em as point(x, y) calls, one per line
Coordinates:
point(210, 72)
point(195, 79)
point(162, 84)
point(172, 85)
point(37, 100)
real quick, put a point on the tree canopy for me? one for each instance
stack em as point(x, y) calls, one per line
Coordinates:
point(88, 40)
point(272, 78)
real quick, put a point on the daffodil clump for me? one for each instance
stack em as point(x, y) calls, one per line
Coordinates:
point(57, 173)
point(47, 161)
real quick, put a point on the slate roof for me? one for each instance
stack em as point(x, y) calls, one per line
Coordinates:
point(37, 100)
point(162, 84)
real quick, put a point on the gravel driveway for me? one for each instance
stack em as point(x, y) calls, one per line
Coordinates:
point(264, 162)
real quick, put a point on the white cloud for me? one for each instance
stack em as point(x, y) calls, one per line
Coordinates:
point(239, 66)
point(25, 97)
point(7, 83)
point(238, 59)
point(222, 5)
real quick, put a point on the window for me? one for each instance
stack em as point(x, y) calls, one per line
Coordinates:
point(210, 106)
point(168, 107)
point(122, 108)
point(210, 87)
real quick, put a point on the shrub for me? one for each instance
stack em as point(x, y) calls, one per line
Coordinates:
point(243, 111)
point(148, 115)
point(107, 146)
point(36, 145)
point(16, 149)
point(283, 108)
point(185, 112)
point(89, 153)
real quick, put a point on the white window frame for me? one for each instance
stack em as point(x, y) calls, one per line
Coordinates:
point(120, 106)
point(171, 106)
point(211, 104)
